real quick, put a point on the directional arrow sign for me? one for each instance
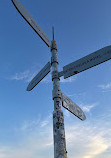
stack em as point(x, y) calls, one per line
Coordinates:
point(31, 22)
point(39, 76)
point(72, 107)
point(86, 62)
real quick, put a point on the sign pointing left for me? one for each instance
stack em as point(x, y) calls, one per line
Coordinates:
point(31, 22)
point(39, 76)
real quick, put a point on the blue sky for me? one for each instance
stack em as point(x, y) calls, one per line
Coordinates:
point(81, 27)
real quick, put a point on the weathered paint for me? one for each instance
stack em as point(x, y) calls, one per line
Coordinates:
point(58, 117)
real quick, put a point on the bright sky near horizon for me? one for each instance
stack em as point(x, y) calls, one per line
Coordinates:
point(81, 27)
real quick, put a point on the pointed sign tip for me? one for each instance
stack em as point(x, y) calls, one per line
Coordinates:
point(27, 89)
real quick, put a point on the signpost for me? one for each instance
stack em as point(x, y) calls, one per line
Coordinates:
point(78, 66)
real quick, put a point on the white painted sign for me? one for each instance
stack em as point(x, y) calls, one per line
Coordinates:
point(31, 22)
point(72, 107)
point(46, 69)
point(87, 62)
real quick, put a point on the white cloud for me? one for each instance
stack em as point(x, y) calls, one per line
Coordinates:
point(87, 141)
point(88, 107)
point(20, 76)
point(68, 80)
point(84, 140)
point(46, 121)
point(48, 79)
point(28, 75)
point(83, 94)
point(67, 113)
point(105, 86)
point(30, 125)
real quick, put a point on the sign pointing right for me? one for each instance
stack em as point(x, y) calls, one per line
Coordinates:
point(87, 62)
point(72, 107)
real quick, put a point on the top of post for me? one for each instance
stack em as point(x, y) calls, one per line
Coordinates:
point(53, 43)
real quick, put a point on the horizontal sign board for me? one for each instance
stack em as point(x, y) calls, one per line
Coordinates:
point(87, 62)
point(39, 76)
point(31, 22)
point(72, 107)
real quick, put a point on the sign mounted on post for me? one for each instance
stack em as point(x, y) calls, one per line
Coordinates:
point(31, 22)
point(46, 69)
point(87, 62)
point(71, 69)
point(72, 107)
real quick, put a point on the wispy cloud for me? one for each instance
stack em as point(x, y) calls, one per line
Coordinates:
point(84, 140)
point(46, 121)
point(105, 87)
point(67, 113)
point(28, 75)
point(75, 95)
point(89, 139)
point(68, 80)
point(48, 79)
point(29, 125)
point(20, 76)
point(37, 140)
point(88, 107)
point(87, 142)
